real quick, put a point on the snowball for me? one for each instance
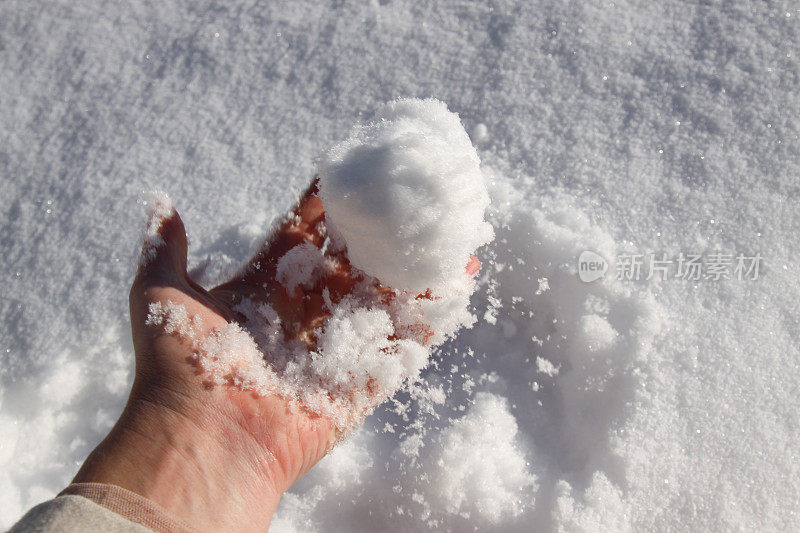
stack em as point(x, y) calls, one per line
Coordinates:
point(406, 193)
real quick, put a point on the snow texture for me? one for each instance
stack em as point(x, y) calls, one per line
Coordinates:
point(405, 192)
point(616, 127)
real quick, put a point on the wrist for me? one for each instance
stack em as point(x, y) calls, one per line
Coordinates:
point(197, 465)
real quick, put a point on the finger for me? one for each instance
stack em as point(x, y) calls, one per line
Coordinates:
point(473, 266)
point(164, 244)
point(300, 225)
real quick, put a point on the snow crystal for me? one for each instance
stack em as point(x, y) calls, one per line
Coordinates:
point(596, 333)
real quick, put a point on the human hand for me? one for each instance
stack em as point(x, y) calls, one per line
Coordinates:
point(218, 457)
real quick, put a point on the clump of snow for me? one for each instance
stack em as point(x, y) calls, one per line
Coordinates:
point(477, 468)
point(596, 334)
point(298, 266)
point(480, 133)
point(406, 193)
point(601, 507)
point(543, 366)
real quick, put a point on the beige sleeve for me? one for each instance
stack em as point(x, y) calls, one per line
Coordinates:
point(87, 507)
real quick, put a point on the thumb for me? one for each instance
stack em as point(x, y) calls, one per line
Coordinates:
point(164, 242)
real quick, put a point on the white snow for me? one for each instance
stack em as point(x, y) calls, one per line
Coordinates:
point(476, 467)
point(298, 266)
point(480, 134)
point(406, 193)
point(626, 126)
point(543, 366)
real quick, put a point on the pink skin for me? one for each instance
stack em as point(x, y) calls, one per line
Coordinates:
point(473, 266)
point(217, 457)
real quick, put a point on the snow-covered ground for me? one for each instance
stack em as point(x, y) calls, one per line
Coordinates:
point(623, 128)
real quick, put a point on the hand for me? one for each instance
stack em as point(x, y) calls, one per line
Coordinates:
point(218, 457)
point(186, 446)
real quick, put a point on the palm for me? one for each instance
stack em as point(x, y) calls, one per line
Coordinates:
point(292, 440)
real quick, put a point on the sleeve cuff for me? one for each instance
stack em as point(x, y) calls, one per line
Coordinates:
point(129, 505)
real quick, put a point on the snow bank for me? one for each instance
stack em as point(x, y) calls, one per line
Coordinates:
point(406, 193)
